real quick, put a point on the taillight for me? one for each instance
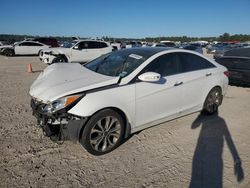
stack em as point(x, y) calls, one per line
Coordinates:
point(227, 73)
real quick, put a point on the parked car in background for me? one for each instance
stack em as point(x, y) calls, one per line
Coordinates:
point(245, 44)
point(102, 102)
point(159, 45)
point(168, 43)
point(192, 47)
point(116, 45)
point(23, 48)
point(133, 44)
point(3, 47)
point(214, 47)
point(220, 48)
point(50, 41)
point(201, 43)
point(237, 62)
point(77, 51)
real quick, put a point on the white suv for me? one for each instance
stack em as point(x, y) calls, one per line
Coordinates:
point(77, 51)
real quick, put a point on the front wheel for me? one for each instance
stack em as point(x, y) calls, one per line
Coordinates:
point(59, 60)
point(103, 133)
point(213, 101)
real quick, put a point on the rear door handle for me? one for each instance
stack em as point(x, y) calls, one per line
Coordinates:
point(209, 74)
point(178, 83)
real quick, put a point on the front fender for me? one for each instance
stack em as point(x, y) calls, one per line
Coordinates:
point(121, 97)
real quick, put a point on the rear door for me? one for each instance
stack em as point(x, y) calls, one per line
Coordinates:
point(22, 48)
point(198, 77)
point(34, 47)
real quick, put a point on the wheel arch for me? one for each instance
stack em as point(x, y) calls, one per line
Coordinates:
point(215, 87)
point(120, 112)
point(39, 52)
point(8, 49)
point(63, 56)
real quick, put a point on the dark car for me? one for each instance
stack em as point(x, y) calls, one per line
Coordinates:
point(48, 41)
point(237, 62)
point(192, 47)
point(168, 43)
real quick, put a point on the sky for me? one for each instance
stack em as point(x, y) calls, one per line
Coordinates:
point(125, 18)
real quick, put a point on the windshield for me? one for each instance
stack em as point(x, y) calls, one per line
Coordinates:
point(119, 63)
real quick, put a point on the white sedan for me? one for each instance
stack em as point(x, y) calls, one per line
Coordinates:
point(77, 51)
point(23, 48)
point(101, 103)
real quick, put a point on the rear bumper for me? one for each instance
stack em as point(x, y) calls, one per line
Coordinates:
point(59, 126)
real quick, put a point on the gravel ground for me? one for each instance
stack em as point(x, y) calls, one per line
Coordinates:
point(193, 151)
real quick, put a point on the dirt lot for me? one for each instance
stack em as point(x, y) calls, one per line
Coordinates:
point(191, 151)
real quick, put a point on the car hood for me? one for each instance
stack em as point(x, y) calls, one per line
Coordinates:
point(6, 46)
point(63, 79)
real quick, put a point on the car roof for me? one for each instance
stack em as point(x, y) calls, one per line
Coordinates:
point(145, 51)
point(241, 52)
point(82, 40)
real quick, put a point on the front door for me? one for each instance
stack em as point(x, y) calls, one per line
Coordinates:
point(162, 99)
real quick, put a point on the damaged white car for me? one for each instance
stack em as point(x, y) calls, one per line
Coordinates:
point(102, 102)
point(78, 51)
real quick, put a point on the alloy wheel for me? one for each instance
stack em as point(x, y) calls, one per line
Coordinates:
point(213, 101)
point(105, 133)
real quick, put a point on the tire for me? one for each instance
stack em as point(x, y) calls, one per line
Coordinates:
point(213, 101)
point(103, 133)
point(39, 53)
point(59, 59)
point(9, 52)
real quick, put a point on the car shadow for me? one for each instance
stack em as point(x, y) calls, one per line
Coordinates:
point(37, 71)
point(244, 85)
point(207, 166)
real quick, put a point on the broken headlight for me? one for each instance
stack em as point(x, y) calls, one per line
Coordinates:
point(60, 103)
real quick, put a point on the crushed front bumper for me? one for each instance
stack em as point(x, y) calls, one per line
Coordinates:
point(59, 126)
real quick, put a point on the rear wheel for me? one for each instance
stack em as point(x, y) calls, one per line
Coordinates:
point(213, 101)
point(103, 133)
point(9, 52)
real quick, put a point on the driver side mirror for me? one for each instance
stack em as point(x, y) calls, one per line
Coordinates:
point(150, 77)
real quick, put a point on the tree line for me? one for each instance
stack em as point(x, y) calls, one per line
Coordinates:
point(11, 38)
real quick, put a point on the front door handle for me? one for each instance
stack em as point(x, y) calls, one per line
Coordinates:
point(178, 83)
point(209, 74)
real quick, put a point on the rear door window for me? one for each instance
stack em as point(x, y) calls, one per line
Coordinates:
point(191, 62)
point(96, 45)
